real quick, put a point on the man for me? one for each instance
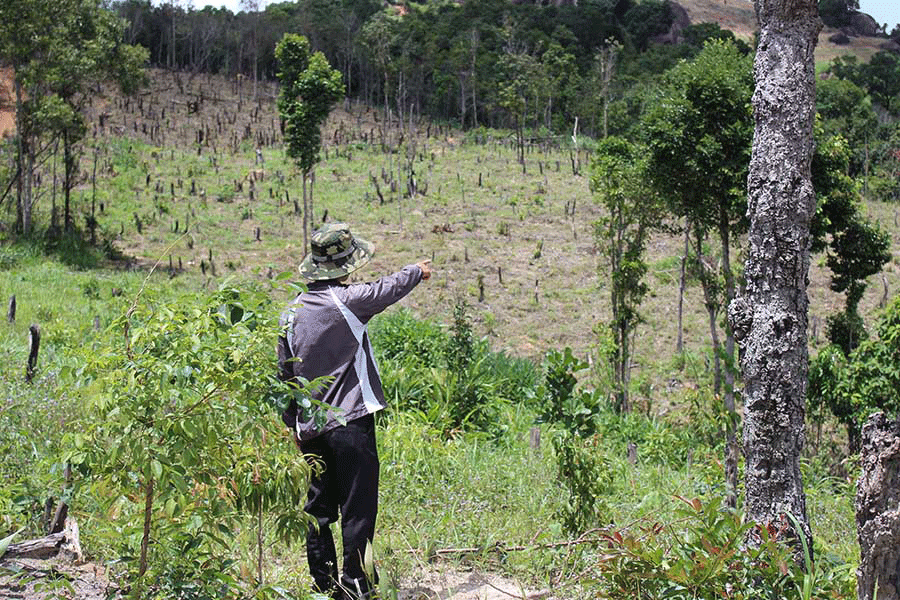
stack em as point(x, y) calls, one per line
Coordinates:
point(325, 336)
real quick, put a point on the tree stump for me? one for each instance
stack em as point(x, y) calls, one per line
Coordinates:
point(34, 342)
point(878, 510)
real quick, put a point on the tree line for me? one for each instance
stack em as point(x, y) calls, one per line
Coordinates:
point(546, 70)
point(541, 71)
point(493, 63)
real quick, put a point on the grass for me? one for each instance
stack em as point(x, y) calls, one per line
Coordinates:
point(468, 496)
point(437, 493)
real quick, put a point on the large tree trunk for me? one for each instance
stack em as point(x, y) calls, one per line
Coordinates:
point(770, 319)
point(877, 513)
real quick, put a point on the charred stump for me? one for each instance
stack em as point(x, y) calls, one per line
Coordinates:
point(34, 337)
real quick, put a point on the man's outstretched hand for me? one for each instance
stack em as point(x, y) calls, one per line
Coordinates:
point(425, 265)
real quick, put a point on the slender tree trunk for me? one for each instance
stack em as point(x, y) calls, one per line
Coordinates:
point(770, 318)
point(682, 285)
point(171, 57)
point(619, 327)
point(54, 218)
point(312, 208)
point(68, 164)
point(462, 102)
point(474, 38)
point(20, 157)
point(520, 138)
point(28, 186)
point(711, 303)
point(94, 201)
point(731, 446)
point(305, 216)
point(259, 543)
point(148, 517)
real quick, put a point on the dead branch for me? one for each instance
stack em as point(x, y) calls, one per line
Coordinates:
point(586, 538)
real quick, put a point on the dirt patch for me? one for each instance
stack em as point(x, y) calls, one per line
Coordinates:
point(863, 48)
point(737, 16)
point(36, 579)
point(7, 102)
point(458, 585)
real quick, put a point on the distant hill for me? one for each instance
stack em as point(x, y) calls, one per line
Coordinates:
point(735, 15)
point(739, 16)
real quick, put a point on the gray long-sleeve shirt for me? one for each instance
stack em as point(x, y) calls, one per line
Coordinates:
point(325, 335)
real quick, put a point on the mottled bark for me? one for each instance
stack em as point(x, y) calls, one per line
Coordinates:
point(770, 318)
point(877, 512)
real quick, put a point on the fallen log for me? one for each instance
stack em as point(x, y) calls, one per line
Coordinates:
point(45, 547)
point(65, 544)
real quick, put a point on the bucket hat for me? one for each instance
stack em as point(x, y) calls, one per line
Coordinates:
point(335, 252)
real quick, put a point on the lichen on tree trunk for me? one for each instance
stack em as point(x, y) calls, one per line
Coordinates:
point(877, 512)
point(770, 318)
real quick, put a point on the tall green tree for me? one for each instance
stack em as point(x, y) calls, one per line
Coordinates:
point(59, 49)
point(309, 89)
point(557, 82)
point(880, 77)
point(518, 76)
point(856, 248)
point(837, 13)
point(698, 133)
point(853, 386)
point(377, 38)
point(631, 212)
point(846, 110)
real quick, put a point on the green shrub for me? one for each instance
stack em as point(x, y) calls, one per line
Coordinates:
point(399, 336)
point(699, 555)
point(517, 379)
point(867, 380)
point(709, 552)
point(657, 441)
point(449, 379)
point(559, 402)
point(586, 475)
point(9, 258)
point(179, 425)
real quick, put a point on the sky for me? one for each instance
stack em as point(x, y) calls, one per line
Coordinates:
point(232, 5)
point(883, 11)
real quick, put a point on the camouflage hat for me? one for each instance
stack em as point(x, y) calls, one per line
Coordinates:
point(335, 253)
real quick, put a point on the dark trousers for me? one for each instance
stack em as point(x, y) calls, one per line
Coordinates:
point(349, 484)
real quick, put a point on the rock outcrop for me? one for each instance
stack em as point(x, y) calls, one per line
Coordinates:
point(862, 24)
point(840, 38)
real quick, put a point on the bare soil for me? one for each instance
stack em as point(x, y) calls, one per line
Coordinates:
point(453, 584)
point(7, 102)
point(36, 579)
